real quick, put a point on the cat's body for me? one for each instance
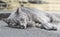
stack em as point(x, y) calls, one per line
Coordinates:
point(25, 16)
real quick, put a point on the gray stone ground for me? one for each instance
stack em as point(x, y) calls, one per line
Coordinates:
point(29, 32)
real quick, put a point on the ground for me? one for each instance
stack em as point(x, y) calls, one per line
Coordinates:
point(29, 32)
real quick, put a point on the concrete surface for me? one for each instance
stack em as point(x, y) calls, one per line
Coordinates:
point(29, 32)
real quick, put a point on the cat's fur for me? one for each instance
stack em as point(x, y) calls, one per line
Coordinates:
point(28, 16)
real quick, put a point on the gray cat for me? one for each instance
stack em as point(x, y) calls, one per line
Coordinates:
point(27, 16)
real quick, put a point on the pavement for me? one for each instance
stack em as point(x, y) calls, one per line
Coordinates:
point(6, 31)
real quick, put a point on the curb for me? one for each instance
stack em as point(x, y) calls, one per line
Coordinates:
point(4, 15)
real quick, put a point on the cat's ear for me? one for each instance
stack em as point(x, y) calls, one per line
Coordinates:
point(17, 11)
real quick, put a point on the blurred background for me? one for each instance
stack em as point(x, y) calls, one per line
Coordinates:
point(44, 5)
